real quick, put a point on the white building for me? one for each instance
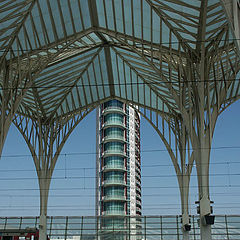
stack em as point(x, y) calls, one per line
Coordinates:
point(118, 166)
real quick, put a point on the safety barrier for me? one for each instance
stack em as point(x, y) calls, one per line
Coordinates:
point(125, 227)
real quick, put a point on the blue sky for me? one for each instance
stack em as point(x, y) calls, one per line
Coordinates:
point(73, 185)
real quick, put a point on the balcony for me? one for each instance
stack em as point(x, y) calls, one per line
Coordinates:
point(113, 137)
point(113, 109)
point(114, 182)
point(114, 198)
point(114, 167)
point(138, 202)
point(114, 124)
point(114, 152)
point(114, 213)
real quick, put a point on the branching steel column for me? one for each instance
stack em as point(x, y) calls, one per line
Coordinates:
point(202, 149)
point(175, 137)
point(16, 82)
point(45, 139)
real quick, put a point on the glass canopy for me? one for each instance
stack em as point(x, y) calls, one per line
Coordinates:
point(77, 54)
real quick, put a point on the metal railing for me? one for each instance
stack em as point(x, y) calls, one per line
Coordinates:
point(114, 137)
point(114, 152)
point(114, 167)
point(114, 197)
point(114, 122)
point(114, 181)
point(125, 227)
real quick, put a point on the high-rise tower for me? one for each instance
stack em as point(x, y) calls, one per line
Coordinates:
point(118, 163)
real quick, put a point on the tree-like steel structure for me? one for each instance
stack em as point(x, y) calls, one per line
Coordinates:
point(175, 59)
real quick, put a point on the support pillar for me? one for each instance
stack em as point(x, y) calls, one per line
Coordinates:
point(181, 155)
point(44, 184)
point(202, 163)
point(184, 190)
point(204, 210)
point(45, 139)
point(43, 227)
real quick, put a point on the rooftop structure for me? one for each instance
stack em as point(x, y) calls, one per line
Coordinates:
point(178, 61)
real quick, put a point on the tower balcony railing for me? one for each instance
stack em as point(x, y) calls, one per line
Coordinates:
point(138, 163)
point(114, 123)
point(114, 181)
point(138, 202)
point(114, 198)
point(114, 152)
point(113, 109)
point(113, 137)
point(138, 209)
point(114, 213)
point(114, 167)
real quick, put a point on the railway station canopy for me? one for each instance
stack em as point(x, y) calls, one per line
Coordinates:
point(63, 56)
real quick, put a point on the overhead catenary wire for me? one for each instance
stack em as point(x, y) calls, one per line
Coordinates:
point(144, 176)
point(84, 206)
point(141, 151)
point(118, 84)
point(143, 187)
point(89, 195)
point(87, 209)
point(94, 44)
point(94, 168)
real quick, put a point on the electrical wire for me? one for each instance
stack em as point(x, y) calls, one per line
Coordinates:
point(87, 188)
point(121, 44)
point(118, 84)
point(87, 209)
point(141, 151)
point(144, 205)
point(94, 168)
point(143, 176)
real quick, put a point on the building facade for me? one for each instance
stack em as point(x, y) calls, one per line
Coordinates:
point(118, 164)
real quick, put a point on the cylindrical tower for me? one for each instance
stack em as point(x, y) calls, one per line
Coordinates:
point(118, 164)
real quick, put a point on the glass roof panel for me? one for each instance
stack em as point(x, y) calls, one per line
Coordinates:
point(101, 14)
point(67, 63)
point(103, 67)
point(67, 16)
point(109, 13)
point(118, 12)
point(137, 20)
point(85, 12)
point(61, 77)
point(92, 86)
point(40, 25)
point(57, 19)
point(76, 13)
point(129, 84)
point(148, 24)
point(128, 17)
point(12, 13)
point(43, 29)
point(156, 33)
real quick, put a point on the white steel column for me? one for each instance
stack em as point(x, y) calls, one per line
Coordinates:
point(45, 139)
point(44, 185)
point(18, 73)
point(175, 137)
